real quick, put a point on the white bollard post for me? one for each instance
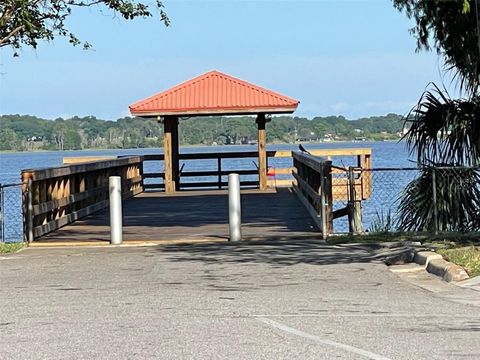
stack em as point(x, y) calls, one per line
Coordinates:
point(116, 226)
point(234, 207)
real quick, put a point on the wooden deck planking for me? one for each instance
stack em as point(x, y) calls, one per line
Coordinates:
point(195, 215)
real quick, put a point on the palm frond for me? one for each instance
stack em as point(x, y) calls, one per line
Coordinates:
point(444, 131)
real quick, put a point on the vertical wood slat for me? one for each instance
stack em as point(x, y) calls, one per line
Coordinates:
point(55, 190)
point(168, 159)
point(140, 174)
point(327, 176)
point(71, 190)
point(41, 194)
point(82, 186)
point(61, 194)
point(51, 196)
point(26, 202)
point(219, 168)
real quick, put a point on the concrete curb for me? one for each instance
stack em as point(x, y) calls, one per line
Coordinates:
point(435, 264)
point(424, 257)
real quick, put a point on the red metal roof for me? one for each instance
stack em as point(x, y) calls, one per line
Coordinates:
point(214, 93)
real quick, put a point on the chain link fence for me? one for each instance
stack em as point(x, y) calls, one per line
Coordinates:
point(11, 216)
point(431, 199)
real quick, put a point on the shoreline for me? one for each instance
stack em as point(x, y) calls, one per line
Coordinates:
point(197, 145)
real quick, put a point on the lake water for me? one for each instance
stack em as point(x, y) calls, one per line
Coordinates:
point(384, 154)
point(387, 185)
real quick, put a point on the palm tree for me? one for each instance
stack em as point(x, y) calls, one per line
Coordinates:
point(444, 133)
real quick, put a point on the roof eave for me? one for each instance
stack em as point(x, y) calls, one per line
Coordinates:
point(214, 112)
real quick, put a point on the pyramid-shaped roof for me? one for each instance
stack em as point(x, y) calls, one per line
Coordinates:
point(214, 93)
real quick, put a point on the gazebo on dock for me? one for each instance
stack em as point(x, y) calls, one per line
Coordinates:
point(211, 94)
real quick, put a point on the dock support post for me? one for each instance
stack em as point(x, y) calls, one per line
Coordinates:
point(116, 226)
point(171, 152)
point(234, 207)
point(262, 152)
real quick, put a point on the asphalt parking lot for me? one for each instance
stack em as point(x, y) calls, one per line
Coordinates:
point(261, 300)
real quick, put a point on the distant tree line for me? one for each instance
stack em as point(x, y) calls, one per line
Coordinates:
point(25, 132)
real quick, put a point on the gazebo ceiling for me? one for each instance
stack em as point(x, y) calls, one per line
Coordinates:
point(214, 93)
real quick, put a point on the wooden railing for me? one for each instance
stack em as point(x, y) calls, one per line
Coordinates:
point(280, 176)
point(55, 197)
point(313, 186)
point(217, 173)
point(340, 181)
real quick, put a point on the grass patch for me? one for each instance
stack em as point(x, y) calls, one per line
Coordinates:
point(467, 257)
point(435, 241)
point(6, 248)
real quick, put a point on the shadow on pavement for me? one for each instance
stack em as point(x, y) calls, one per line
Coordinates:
point(276, 253)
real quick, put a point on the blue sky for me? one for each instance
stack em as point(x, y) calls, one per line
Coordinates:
point(352, 58)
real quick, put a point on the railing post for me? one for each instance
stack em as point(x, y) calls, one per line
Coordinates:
point(219, 167)
point(234, 207)
point(116, 226)
point(26, 209)
point(29, 211)
point(351, 197)
point(328, 195)
point(323, 210)
point(140, 173)
point(434, 199)
point(354, 206)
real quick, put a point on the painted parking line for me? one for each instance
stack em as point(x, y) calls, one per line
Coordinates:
point(318, 339)
point(372, 315)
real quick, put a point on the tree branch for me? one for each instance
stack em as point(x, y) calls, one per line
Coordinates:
point(25, 22)
point(6, 39)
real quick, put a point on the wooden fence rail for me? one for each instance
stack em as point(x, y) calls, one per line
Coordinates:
point(363, 157)
point(55, 197)
point(313, 186)
point(217, 173)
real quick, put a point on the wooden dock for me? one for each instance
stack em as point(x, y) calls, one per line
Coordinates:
point(194, 216)
point(69, 203)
